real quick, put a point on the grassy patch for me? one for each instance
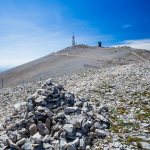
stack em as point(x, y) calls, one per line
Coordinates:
point(139, 145)
point(122, 110)
point(123, 127)
point(94, 100)
point(143, 116)
point(97, 91)
point(123, 100)
point(131, 139)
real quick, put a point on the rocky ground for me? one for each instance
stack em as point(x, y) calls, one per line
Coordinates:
point(124, 90)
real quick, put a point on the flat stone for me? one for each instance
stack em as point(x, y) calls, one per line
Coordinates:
point(76, 121)
point(20, 142)
point(145, 145)
point(20, 136)
point(145, 125)
point(40, 113)
point(36, 117)
point(40, 108)
point(40, 99)
point(70, 109)
point(30, 114)
point(100, 132)
point(50, 105)
point(52, 99)
point(73, 137)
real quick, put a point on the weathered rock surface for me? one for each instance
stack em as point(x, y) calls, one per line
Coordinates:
point(123, 89)
point(51, 118)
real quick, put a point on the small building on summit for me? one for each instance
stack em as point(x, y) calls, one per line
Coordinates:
point(99, 44)
point(73, 40)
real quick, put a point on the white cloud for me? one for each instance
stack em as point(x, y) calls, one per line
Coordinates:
point(140, 44)
point(126, 26)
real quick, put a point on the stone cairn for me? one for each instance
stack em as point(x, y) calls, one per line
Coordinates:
point(52, 118)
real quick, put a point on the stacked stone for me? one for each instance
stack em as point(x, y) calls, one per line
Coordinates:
point(52, 118)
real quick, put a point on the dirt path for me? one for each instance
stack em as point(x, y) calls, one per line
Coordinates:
point(84, 56)
point(138, 56)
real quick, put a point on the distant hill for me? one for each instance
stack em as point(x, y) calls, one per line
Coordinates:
point(71, 60)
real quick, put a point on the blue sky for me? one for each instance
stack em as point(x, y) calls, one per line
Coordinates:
point(30, 29)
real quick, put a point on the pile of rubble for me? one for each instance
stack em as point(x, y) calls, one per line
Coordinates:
point(53, 118)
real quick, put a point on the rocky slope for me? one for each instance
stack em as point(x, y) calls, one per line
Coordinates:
point(124, 90)
point(53, 119)
point(72, 60)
